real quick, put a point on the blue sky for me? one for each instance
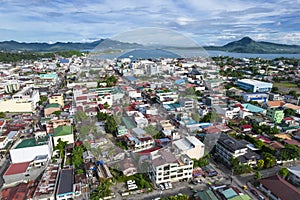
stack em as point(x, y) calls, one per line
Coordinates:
point(210, 22)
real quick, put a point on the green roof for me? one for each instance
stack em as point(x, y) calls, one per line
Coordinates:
point(52, 105)
point(32, 142)
point(229, 193)
point(206, 195)
point(62, 130)
point(241, 197)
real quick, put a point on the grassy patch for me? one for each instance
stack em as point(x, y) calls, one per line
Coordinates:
point(285, 85)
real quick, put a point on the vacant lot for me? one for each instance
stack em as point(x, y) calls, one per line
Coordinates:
point(285, 85)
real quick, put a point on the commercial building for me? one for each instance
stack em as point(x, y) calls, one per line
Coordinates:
point(275, 114)
point(166, 167)
point(166, 96)
point(190, 146)
point(32, 149)
point(254, 85)
point(259, 97)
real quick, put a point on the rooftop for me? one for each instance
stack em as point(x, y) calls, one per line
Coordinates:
point(52, 105)
point(281, 188)
point(230, 143)
point(66, 181)
point(17, 168)
point(62, 130)
point(31, 142)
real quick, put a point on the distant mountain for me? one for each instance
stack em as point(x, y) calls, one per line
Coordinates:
point(247, 45)
point(244, 45)
point(12, 46)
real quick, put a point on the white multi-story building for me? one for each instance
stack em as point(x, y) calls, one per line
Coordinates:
point(166, 167)
point(186, 103)
point(166, 96)
point(190, 146)
point(25, 100)
point(228, 112)
point(29, 149)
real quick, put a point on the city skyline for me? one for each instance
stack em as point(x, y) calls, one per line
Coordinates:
point(208, 23)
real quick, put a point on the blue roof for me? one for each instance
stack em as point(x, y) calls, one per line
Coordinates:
point(253, 108)
point(180, 81)
point(130, 78)
point(163, 140)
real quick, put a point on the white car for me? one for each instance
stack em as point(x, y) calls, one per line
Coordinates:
point(170, 185)
point(167, 186)
point(161, 186)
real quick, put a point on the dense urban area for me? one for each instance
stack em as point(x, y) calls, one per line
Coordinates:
point(76, 127)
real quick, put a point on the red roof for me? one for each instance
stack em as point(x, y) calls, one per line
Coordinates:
point(246, 126)
point(280, 188)
point(17, 168)
point(288, 118)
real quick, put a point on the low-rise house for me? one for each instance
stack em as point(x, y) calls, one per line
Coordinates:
point(65, 184)
point(276, 188)
point(294, 175)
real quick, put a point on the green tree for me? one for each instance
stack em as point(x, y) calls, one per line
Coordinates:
point(289, 152)
point(77, 159)
point(269, 160)
point(61, 147)
point(283, 172)
point(80, 116)
point(293, 93)
point(151, 130)
point(257, 175)
point(102, 116)
point(289, 112)
point(57, 113)
point(2, 115)
point(102, 190)
point(106, 105)
point(260, 164)
point(110, 125)
point(275, 89)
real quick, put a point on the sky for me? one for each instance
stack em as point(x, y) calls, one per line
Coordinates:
point(209, 22)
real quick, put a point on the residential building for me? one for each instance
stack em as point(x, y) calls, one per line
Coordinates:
point(228, 148)
point(65, 185)
point(165, 167)
point(65, 133)
point(254, 85)
point(57, 98)
point(294, 175)
point(228, 112)
point(190, 146)
point(29, 150)
point(275, 114)
point(293, 107)
point(47, 185)
point(276, 188)
point(186, 103)
point(166, 96)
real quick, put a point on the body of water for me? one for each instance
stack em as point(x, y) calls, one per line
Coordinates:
point(186, 53)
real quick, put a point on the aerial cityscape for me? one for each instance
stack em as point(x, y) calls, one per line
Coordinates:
point(150, 100)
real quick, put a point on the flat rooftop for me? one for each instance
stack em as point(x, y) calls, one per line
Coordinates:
point(253, 82)
point(16, 168)
point(31, 142)
point(66, 181)
point(62, 130)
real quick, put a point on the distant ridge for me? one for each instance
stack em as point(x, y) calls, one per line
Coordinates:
point(247, 45)
point(244, 45)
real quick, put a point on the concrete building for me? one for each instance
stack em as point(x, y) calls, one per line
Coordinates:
point(65, 133)
point(186, 103)
point(166, 167)
point(65, 185)
point(228, 148)
point(259, 97)
point(190, 146)
point(294, 175)
point(29, 150)
point(254, 85)
point(57, 98)
point(166, 96)
point(275, 114)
